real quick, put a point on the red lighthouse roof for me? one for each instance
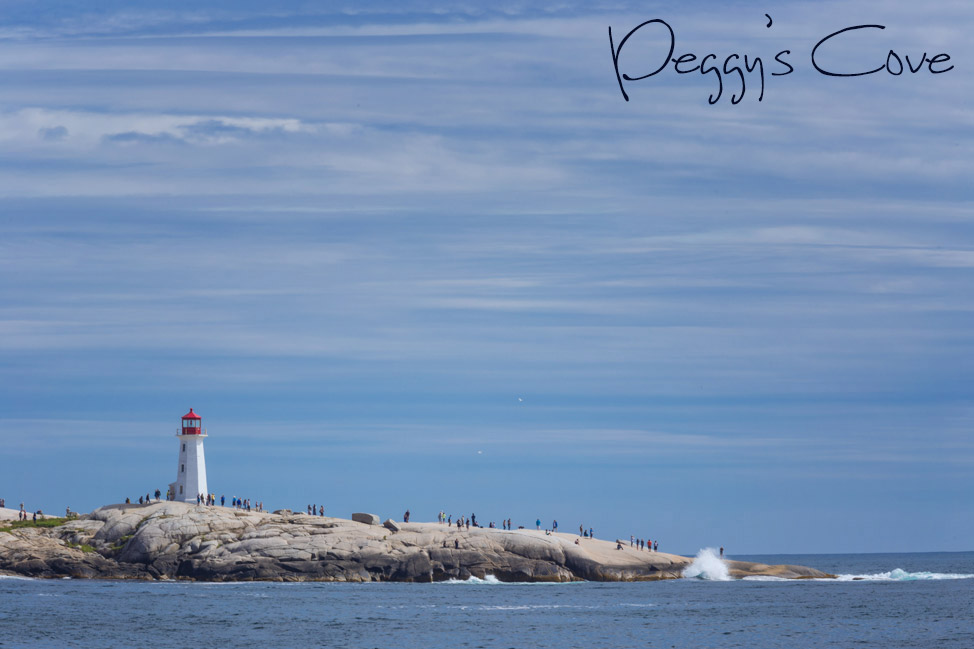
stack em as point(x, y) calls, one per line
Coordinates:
point(191, 415)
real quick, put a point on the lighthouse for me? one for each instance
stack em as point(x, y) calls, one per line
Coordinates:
point(191, 471)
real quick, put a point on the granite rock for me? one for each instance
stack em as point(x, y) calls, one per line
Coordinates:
point(368, 519)
point(185, 541)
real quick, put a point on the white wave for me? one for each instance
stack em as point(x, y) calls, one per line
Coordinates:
point(766, 578)
point(16, 577)
point(707, 565)
point(901, 575)
point(488, 579)
point(492, 580)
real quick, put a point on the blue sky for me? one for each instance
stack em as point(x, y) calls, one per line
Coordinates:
point(415, 255)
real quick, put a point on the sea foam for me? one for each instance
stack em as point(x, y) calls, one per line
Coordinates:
point(899, 574)
point(707, 565)
point(487, 580)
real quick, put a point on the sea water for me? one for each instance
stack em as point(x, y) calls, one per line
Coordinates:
point(880, 600)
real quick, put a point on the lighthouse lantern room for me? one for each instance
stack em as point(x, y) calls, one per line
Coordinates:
point(191, 471)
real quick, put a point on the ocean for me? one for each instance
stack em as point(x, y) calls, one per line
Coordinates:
point(880, 600)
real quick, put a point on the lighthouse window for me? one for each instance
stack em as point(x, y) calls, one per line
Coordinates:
point(184, 448)
point(182, 468)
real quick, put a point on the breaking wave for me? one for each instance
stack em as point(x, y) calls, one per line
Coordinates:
point(766, 578)
point(707, 565)
point(902, 575)
point(487, 580)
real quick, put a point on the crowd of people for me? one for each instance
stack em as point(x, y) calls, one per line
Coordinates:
point(643, 544)
point(209, 500)
point(22, 514)
point(447, 519)
point(462, 522)
point(243, 504)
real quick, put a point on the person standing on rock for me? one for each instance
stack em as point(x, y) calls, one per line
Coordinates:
point(537, 524)
point(656, 545)
point(554, 526)
point(405, 518)
point(581, 530)
point(721, 552)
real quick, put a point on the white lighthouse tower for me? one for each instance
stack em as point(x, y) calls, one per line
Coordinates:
point(191, 472)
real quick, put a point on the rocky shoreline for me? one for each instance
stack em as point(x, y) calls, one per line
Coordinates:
point(169, 540)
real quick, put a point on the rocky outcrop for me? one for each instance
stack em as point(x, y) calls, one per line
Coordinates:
point(180, 540)
point(368, 519)
point(741, 569)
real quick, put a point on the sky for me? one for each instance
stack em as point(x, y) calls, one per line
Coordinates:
point(425, 255)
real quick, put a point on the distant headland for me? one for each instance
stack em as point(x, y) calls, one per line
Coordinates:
point(177, 540)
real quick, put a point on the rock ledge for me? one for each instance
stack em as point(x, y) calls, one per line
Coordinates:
point(169, 540)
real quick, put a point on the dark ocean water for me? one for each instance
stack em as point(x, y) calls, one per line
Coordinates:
point(905, 600)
